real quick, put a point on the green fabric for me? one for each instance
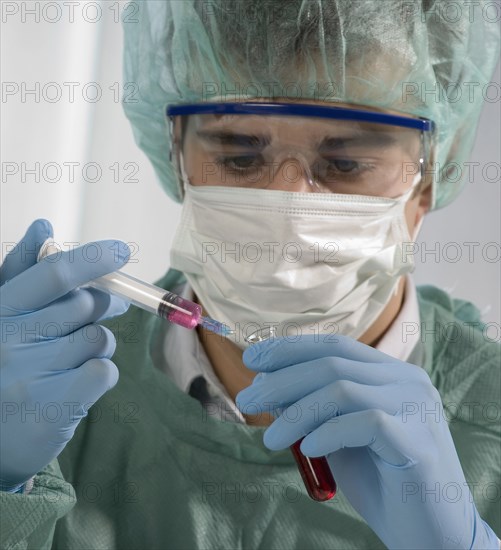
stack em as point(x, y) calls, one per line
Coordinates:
point(28, 521)
point(146, 460)
point(427, 58)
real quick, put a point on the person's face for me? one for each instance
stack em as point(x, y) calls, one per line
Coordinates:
point(303, 155)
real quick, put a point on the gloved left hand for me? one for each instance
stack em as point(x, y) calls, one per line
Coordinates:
point(381, 424)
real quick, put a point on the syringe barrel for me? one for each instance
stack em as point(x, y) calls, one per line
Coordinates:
point(165, 304)
point(154, 299)
point(144, 295)
point(127, 287)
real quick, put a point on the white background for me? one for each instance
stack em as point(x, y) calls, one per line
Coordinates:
point(139, 212)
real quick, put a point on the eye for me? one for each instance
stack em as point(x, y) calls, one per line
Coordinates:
point(336, 171)
point(241, 162)
point(338, 168)
point(344, 166)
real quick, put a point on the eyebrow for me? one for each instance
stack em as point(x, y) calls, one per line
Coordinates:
point(224, 137)
point(377, 139)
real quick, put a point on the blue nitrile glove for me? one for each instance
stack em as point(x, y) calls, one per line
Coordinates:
point(381, 424)
point(55, 359)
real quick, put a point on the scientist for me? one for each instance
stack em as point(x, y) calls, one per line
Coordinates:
point(297, 137)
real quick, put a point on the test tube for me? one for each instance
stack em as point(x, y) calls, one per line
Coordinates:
point(151, 298)
point(315, 472)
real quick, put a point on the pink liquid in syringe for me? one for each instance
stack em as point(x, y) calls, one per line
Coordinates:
point(188, 314)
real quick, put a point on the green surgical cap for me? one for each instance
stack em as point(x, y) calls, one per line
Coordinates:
point(426, 58)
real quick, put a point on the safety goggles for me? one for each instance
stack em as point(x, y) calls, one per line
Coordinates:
point(299, 147)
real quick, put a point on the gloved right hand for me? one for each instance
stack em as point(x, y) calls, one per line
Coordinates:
point(55, 358)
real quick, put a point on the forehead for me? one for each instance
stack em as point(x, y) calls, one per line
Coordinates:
point(297, 130)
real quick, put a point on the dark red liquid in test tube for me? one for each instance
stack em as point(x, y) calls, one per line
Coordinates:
point(316, 474)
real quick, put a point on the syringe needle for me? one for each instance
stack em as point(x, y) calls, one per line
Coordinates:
point(215, 326)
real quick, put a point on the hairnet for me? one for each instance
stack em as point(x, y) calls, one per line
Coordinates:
point(422, 57)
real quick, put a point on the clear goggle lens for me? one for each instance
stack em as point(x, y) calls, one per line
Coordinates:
point(301, 153)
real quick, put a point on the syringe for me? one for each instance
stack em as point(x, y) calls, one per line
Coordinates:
point(156, 300)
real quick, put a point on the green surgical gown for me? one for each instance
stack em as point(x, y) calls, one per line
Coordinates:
point(149, 468)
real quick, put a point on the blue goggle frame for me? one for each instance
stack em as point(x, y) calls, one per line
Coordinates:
point(300, 109)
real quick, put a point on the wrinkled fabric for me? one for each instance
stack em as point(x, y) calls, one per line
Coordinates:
point(292, 290)
point(426, 58)
point(150, 469)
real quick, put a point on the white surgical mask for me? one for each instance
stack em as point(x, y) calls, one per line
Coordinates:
point(310, 263)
